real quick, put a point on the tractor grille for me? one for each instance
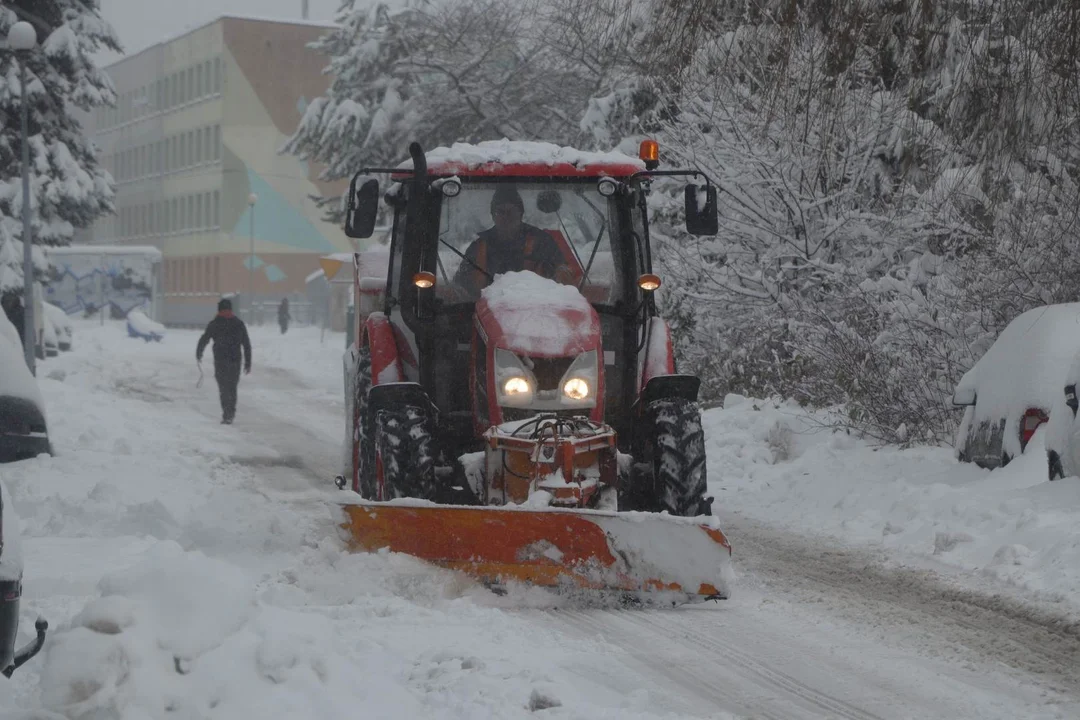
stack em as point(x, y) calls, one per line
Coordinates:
point(549, 371)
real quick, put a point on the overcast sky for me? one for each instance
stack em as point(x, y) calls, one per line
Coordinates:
point(141, 23)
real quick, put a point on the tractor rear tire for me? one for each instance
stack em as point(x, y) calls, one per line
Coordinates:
point(678, 457)
point(404, 448)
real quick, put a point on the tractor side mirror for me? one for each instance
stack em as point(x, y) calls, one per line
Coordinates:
point(964, 396)
point(363, 207)
point(701, 211)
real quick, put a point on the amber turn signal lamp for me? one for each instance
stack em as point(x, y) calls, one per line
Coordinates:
point(649, 282)
point(424, 280)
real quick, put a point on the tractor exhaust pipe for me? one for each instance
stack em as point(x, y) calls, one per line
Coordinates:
point(419, 160)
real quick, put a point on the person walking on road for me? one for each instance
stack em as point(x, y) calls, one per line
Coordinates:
point(283, 316)
point(230, 336)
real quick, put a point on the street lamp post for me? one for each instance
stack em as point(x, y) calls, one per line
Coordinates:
point(21, 38)
point(252, 199)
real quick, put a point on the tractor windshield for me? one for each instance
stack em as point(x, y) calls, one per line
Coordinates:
point(561, 231)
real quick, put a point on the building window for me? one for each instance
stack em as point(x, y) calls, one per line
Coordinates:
point(217, 209)
point(217, 142)
point(198, 81)
point(198, 147)
point(198, 211)
point(190, 149)
point(190, 84)
point(217, 274)
point(181, 152)
point(190, 211)
point(218, 75)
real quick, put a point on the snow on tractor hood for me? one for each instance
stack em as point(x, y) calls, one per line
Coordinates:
point(531, 315)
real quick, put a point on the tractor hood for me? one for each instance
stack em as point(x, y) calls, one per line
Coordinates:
point(531, 315)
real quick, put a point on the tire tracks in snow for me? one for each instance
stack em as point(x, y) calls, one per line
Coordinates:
point(715, 669)
point(971, 625)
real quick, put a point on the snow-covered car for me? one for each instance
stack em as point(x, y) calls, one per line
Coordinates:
point(140, 326)
point(49, 339)
point(11, 573)
point(65, 331)
point(23, 430)
point(1013, 389)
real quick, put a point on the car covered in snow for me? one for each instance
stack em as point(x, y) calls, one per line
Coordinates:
point(1014, 387)
point(61, 323)
point(49, 339)
point(11, 573)
point(140, 326)
point(23, 430)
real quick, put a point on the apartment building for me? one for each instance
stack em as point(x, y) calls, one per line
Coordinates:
point(194, 136)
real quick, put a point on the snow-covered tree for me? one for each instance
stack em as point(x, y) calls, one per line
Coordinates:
point(899, 180)
point(69, 189)
point(443, 71)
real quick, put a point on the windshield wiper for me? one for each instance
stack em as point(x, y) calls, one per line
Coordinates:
point(465, 257)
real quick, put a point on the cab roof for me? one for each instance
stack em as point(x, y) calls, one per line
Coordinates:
point(506, 158)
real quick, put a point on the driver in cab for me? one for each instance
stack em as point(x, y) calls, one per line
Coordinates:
point(511, 245)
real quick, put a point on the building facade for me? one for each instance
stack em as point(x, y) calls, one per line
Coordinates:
point(193, 138)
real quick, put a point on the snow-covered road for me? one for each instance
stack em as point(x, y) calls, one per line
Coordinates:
point(192, 570)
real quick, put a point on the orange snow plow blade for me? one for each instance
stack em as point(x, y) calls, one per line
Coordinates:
point(595, 550)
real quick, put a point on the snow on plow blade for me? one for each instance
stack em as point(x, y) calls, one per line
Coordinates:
point(563, 548)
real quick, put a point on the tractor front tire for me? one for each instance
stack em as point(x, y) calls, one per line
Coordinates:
point(404, 454)
point(677, 453)
point(361, 451)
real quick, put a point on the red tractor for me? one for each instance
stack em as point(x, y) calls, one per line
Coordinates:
point(514, 410)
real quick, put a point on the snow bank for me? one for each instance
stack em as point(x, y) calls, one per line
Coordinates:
point(539, 316)
point(507, 152)
point(777, 463)
point(183, 634)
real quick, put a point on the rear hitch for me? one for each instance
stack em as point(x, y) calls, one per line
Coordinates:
point(31, 648)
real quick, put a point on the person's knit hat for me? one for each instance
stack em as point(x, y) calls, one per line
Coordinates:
point(507, 195)
point(224, 304)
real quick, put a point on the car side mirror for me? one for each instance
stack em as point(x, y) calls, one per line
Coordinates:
point(363, 207)
point(701, 210)
point(964, 396)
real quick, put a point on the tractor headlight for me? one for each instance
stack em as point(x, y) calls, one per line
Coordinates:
point(576, 389)
point(579, 383)
point(514, 383)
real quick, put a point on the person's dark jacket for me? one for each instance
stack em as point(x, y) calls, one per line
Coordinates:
point(230, 335)
point(534, 249)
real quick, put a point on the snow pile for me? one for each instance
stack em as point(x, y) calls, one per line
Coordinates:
point(183, 633)
point(466, 156)
point(777, 463)
point(539, 316)
point(1024, 368)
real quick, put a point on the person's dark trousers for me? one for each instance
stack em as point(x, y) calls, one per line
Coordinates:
point(227, 375)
